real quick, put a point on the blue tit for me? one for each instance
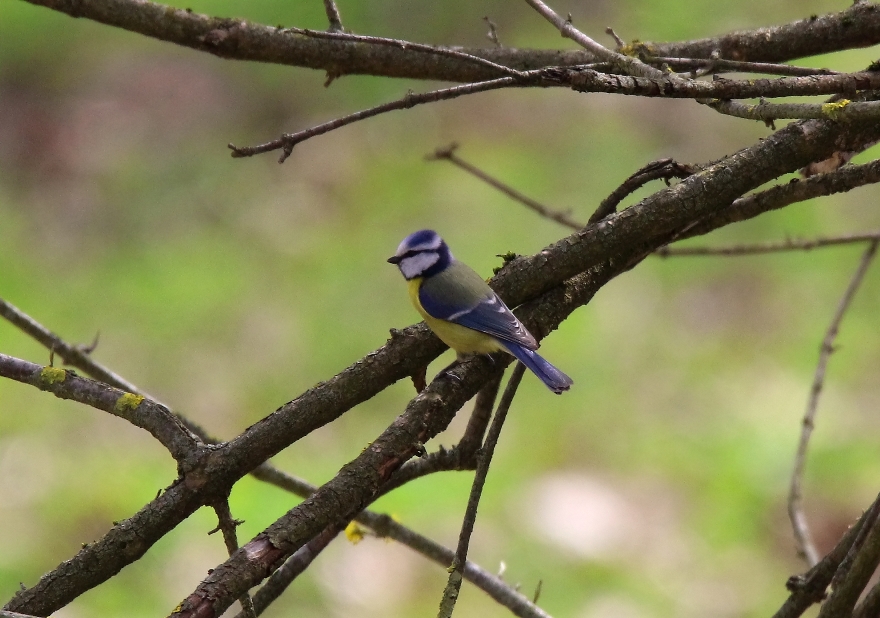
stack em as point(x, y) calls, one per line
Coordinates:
point(462, 310)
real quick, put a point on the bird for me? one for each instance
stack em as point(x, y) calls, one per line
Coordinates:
point(462, 310)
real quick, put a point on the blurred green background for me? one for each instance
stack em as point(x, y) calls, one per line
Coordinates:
point(655, 488)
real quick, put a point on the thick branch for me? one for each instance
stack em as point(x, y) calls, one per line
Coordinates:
point(703, 195)
point(589, 80)
point(857, 26)
point(842, 111)
point(780, 196)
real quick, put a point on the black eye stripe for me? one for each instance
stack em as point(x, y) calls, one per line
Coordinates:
point(412, 253)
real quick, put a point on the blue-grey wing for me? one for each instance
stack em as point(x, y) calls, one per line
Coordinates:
point(459, 295)
point(491, 316)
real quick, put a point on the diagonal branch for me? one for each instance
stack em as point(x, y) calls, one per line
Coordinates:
point(661, 169)
point(853, 27)
point(226, 524)
point(287, 141)
point(72, 355)
point(803, 537)
point(448, 154)
point(855, 570)
point(136, 409)
point(453, 585)
point(627, 64)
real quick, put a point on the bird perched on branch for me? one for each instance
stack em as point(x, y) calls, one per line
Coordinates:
point(462, 310)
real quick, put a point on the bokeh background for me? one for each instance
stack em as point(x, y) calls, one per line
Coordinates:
point(655, 488)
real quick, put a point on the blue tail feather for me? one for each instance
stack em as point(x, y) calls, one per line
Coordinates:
point(555, 380)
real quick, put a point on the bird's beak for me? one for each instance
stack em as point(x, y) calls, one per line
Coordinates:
point(394, 259)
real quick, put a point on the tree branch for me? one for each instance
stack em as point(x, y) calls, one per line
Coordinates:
point(589, 80)
point(841, 111)
point(857, 26)
point(136, 409)
point(700, 201)
point(627, 64)
point(226, 524)
point(768, 247)
point(718, 65)
point(448, 154)
point(799, 525)
point(333, 16)
point(661, 169)
point(287, 141)
point(453, 585)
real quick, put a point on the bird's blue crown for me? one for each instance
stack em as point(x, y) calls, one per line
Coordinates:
point(422, 254)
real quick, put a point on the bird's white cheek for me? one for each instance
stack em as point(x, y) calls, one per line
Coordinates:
point(417, 264)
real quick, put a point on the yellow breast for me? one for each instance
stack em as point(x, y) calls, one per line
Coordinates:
point(460, 338)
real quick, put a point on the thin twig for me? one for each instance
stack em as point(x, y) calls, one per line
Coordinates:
point(440, 460)
point(768, 247)
point(617, 40)
point(72, 355)
point(287, 141)
point(627, 64)
point(492, 35)
point(720, 64)
point(473, 434)
point(662, 168)
point(803, 537)
point(448, 154)
point(453, 585)
point(408, 45)
point(333, 16)
point(227, 525)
